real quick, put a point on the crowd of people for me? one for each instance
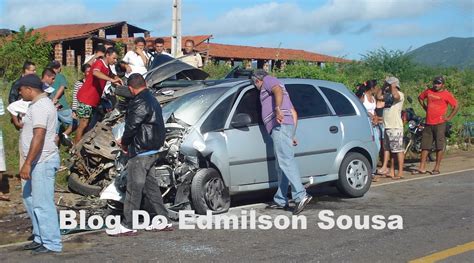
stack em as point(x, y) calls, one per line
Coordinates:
point(384, 106)
point(40, 111)
point(42, 115)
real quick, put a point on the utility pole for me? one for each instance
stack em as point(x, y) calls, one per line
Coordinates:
point(176, 28)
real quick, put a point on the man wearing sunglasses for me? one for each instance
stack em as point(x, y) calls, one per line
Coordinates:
point(435, 102)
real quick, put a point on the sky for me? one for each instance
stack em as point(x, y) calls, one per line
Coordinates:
point(343, 28)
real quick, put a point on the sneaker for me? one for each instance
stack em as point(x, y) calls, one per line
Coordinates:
point(277, 206)
point(31, 246)
point(42, 250)
point(121, 231)
point(302, 204)
point(65, 140)
point(168, 227)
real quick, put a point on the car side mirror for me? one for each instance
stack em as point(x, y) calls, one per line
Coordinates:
point(241, 120)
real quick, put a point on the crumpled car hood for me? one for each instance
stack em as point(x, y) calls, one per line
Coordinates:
point(164, 67)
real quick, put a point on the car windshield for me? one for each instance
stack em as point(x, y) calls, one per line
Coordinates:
point(190, 107)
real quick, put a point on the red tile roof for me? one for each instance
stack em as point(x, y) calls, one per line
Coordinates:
point(248, 52)
point(54, 33)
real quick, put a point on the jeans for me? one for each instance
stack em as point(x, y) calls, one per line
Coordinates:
point(287, 170)
point(140, 183)
point(377, 137)
point(65, 117)
point(38, 197)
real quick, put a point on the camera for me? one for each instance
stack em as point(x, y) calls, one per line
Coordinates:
point(387, 95)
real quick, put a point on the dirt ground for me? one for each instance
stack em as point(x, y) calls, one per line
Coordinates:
point(15, 225)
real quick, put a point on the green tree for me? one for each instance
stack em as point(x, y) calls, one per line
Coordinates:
point(22, 46)
point(389, 62)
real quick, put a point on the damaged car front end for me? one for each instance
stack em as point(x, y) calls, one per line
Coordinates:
point(98, 167)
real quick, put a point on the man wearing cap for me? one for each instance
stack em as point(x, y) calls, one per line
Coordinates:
point(393, 124)
point(435, 102)
point(41, 163)
point(280, 119)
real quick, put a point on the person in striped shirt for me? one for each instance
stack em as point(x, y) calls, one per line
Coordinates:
point(86, 68)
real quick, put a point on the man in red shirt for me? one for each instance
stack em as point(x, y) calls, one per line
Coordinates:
point(89, 95)
point(435, 102)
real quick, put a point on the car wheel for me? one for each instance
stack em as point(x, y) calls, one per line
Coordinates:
point(208, 192)
point(77, 185)
point(355, 175)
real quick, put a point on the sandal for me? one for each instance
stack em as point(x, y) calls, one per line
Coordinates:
point(398, 177)
point(379, 172)
point(418, 172)
point(434, 172)
point(375, 178)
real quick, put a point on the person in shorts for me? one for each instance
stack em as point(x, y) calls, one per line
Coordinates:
point(435, 102)
point(393, 130)
point(89, 95)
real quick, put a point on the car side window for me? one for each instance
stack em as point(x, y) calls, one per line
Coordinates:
point(307, 100)
point(216, 119)
point(339, 102)
point(250, 104)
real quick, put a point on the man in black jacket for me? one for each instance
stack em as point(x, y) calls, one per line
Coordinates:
point(144, 135)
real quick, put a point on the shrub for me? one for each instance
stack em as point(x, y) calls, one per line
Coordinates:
point(17, 48)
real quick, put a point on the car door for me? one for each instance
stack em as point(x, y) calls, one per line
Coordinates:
point(249, 148)
point(318, 132)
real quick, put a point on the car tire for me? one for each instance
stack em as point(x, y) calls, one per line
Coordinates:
point(76, 185)
point(208, 192)
point(355, 175)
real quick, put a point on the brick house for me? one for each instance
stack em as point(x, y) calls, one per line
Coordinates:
point(72, 42)
point(248, 56)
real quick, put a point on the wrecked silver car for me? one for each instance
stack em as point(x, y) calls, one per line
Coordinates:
point(96, 160)
point(216, 145)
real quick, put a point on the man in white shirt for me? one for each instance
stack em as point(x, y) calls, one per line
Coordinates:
point(189, 56)
point(137, 60)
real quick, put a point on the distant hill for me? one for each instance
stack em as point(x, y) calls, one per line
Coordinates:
point(450, 52)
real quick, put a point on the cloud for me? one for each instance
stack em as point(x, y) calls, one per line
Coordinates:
point(336, 16)
point(331, 47)
point(464, 5)
point(401, 30)
point(363, 29)
point(14, 14)
point(256, 20)
point(41, 13)
point(156, 13)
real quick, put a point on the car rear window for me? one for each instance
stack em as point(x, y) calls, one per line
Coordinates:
point(307, 100)
point(339, 102)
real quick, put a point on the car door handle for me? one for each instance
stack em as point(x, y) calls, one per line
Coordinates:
point(333, 129)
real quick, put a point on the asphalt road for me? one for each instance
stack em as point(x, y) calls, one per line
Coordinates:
point(437, 214)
